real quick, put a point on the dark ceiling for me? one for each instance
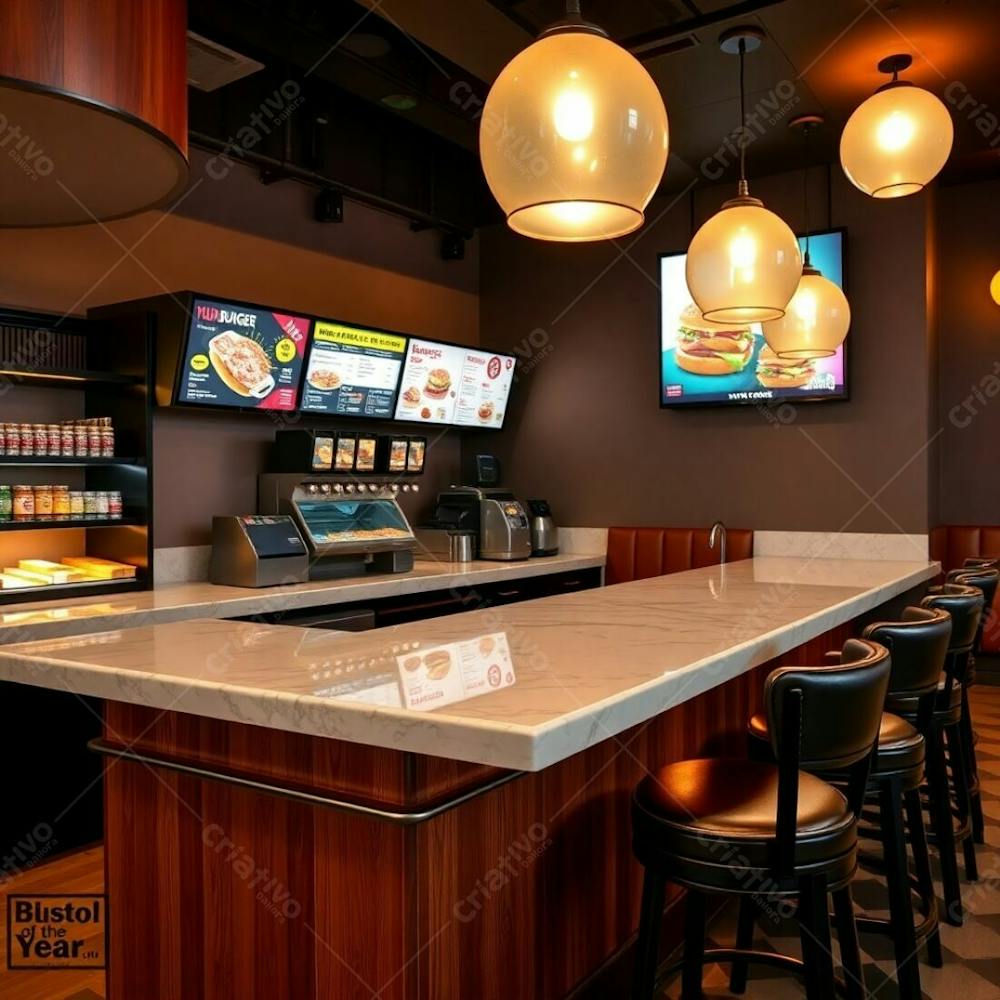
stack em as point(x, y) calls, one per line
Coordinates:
point(399, 82)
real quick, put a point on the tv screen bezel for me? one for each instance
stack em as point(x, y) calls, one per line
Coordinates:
point(840, 397)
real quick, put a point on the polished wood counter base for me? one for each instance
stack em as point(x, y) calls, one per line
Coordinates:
point(527, 891)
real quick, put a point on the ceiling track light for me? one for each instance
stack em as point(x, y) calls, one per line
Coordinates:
point(897, 141)
point(818, 316)
point(573, 137)
point(743, 264)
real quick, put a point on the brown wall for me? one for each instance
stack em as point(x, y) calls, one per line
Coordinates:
point(585, 429)
point(968, 372)
point(370, 269)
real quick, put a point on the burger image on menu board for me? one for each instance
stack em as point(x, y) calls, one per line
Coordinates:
point(783, 373)
point(705, 348)
point(438, 383)
point(241, 363)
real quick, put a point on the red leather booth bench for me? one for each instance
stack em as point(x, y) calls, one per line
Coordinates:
point(952, 544)
point(639, 553)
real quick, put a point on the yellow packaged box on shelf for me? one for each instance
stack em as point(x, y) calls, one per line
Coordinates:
point(53, 572)
point(103, 569)
point(8, 582)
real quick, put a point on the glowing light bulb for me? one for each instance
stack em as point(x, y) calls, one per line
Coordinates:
point(995, 288)
point(895, 132)
point(573, 115)
point(805, 307)
point(573, 212)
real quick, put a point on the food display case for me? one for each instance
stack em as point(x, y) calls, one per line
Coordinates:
point(349, 527)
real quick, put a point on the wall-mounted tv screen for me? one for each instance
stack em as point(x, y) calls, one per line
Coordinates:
point(448, 384)
point(239, 355)
point(720, 364)
point(352, 370)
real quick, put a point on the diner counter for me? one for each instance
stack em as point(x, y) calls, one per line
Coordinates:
point(176, 602)
point(520, 686)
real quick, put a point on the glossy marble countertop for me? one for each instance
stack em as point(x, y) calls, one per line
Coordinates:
point(520, 686)
point(182, 601)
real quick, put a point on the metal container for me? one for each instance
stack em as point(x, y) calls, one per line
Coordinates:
point(462, 546)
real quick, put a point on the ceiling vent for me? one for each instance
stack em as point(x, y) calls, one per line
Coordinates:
point(667, 46)
point(211, 65)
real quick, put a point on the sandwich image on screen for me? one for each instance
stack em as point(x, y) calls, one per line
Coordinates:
point(725, 364)
point(706, 348)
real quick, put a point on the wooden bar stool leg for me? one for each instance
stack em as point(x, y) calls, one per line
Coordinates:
point(939, 801)
point(814, 933)
point(654, 886)
point(694, 946)
point(850, 949)
point(744, 941)
point(898, 883)
point(922, 869)
point(969, 745)
point(960, 779)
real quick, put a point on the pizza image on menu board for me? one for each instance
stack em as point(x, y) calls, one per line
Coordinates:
point(352, 370)
point(241, 355)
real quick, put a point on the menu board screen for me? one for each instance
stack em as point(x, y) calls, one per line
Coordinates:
point(730, 363)
point(240, 355)
point(446, 384)
point(352, 371)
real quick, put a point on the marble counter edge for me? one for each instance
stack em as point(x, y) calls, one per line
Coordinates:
point(499, 744)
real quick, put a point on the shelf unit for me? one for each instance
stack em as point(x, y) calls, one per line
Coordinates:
point(59, 368)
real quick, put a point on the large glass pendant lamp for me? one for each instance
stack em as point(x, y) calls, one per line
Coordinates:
point(897, 141)
point(818, 317)
point(573, 138)
point(743, 264)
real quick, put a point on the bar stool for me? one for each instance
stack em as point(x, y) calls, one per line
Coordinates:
point(944, 742)
point(917, 646)
point(764, 829)
point(986, 578)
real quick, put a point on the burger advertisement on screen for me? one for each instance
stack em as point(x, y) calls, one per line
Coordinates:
point(704, 362)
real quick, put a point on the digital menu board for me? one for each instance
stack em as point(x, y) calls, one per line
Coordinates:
point(447, 384)
point(730, 363)
point(352, 371)
point(242, 356)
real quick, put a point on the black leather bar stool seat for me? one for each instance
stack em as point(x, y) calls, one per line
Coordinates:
point(767, 830)
point(702, 813)
point(947, 705)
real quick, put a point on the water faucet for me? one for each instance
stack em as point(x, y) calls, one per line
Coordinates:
point(718, 531)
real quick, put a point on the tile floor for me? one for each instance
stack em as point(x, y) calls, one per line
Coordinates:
point(971, 952)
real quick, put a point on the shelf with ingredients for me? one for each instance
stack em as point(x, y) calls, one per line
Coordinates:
point(75, 447)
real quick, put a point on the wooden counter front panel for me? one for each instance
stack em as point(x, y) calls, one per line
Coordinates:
point(524, 892)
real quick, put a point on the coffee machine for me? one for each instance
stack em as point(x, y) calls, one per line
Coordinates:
point(494, 516)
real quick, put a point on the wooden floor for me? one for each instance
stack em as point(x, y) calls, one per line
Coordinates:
point(82, 871)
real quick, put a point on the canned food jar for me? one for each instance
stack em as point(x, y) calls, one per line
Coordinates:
point(107, 442)
point(60, 502)
point(55, 439)
point(67, 441)
point(27, 439)
point(12, 438)
point(23, 503)
point(102, 503)
point(43, 502)
point(90, 503)
point(3, 439)
point(114, 504)
point(6, 503)
point(76, 503)
point(82, 440)
point(41, 433)
point(94, 441)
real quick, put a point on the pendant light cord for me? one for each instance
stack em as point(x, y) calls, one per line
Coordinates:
point(573, 8)
point(743, 121)
point(806, 129)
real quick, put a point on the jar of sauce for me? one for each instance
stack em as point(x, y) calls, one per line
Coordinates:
point(76, 508)
point(27, 439)
point(23, 502)
point(6, 503)
point(60, 503)
point(67, 441)
point(41, 439)
point(43, 502)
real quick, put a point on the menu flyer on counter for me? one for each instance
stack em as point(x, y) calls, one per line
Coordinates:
point(238, 355)
point(445, 384)
point(443, 675)
point(352, 371)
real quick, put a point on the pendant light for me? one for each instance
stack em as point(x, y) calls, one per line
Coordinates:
point(995, 288)
point(816, 320)
point(898, 140)
point(744, 264)
point(573, 138)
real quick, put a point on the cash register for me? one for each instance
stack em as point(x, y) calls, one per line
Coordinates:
point(257, 550)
